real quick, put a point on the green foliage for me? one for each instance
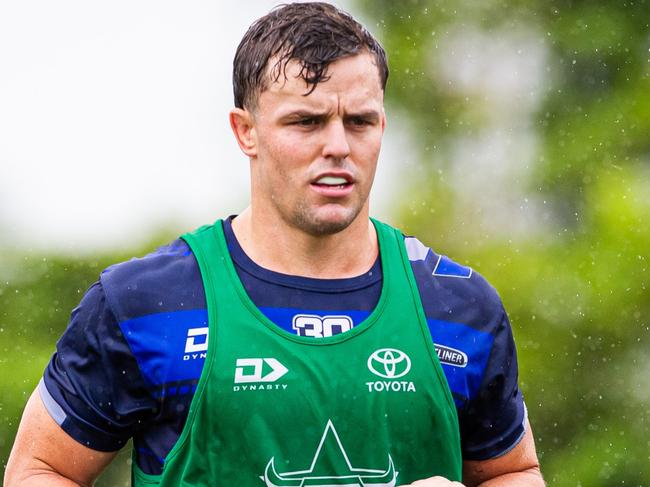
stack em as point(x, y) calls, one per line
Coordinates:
point(576, 283)
point(37, 294)
point(579, 307)
point(599, 113)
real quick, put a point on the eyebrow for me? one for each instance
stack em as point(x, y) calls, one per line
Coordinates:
point(371, 115)
point(297, 114)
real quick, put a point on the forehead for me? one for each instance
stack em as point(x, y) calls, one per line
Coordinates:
point(352, 80)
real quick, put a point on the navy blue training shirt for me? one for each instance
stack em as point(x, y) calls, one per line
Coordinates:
point(131, 357)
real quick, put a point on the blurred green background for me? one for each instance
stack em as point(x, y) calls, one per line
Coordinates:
point(526, 156)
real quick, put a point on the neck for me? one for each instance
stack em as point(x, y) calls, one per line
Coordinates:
point(282, 248)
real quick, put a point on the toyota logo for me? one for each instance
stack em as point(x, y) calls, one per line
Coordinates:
point(389, 363)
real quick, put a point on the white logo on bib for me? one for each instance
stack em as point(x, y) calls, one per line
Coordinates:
point(244, 377)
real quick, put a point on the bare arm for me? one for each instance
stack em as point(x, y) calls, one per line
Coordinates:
point(517, 468)
point(44, 454)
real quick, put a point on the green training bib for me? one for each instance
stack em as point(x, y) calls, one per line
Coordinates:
point(368, 407)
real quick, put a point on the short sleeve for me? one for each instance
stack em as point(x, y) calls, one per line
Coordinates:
point(92, 386)
point(492, 422)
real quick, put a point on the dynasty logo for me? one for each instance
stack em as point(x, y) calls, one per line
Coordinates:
point(258, 374)
point(320, 474)
point(196, 343)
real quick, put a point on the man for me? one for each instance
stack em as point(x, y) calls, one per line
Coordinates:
point(300, 342)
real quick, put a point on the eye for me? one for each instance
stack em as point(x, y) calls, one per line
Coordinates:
point(359, 121)
point(307, 122)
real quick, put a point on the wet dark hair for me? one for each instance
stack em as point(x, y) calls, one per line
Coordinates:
point(314, 34)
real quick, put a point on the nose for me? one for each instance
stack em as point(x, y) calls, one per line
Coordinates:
point(336, 144)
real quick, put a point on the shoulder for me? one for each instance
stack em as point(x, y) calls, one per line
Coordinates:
point(473, 341)
point(451, 291)
point(166, 279)
point(158, 302)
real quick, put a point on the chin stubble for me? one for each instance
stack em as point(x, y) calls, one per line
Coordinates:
point(309, 223)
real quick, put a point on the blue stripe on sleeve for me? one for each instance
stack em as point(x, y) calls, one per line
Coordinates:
point(161, 345)
point(463, 381)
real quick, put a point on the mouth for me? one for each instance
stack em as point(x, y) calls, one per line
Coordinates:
point(333, 185)
point(334, 182)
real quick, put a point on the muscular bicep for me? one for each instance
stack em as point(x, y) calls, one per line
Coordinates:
point(44, 454)
point(519, 466)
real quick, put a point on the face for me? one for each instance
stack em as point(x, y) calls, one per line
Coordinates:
point(313, 158)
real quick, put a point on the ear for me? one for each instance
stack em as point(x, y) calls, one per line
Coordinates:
point(242, 123)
